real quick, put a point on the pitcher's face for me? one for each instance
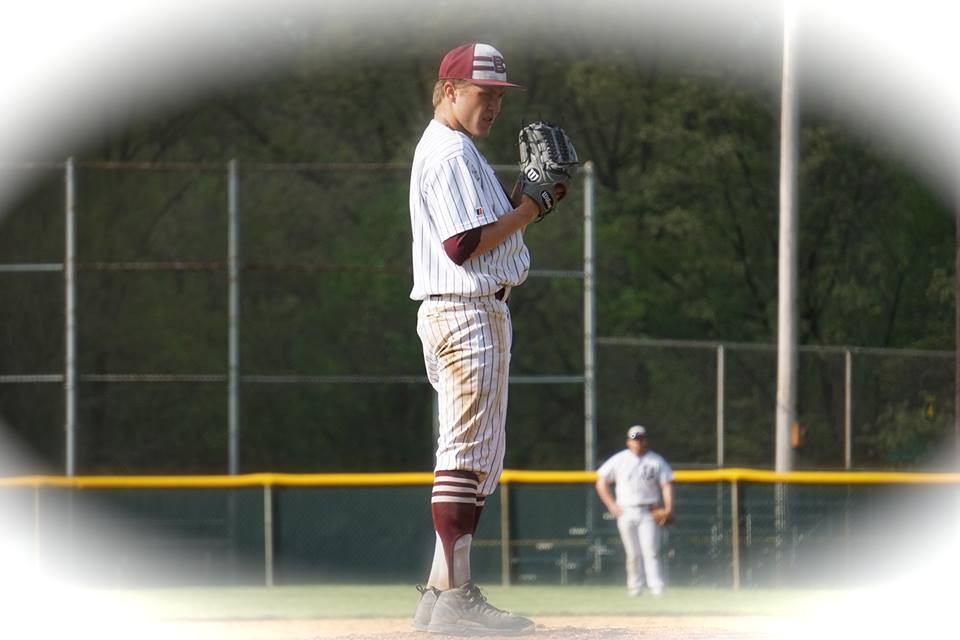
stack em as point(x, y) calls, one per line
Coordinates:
point(475, 108)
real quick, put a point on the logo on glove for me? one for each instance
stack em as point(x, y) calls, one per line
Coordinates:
point(533, 174)
point(547, 200)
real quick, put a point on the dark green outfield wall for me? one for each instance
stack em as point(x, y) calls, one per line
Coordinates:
point(557, 534)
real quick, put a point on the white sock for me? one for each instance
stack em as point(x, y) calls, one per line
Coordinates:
point(439, 576)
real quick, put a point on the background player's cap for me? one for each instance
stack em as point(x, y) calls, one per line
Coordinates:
point(477, 63)
point(636, 432)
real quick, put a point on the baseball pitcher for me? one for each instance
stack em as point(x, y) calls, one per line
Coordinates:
point(468, 254)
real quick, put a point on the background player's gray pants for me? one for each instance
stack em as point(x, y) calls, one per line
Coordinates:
point(641, 542)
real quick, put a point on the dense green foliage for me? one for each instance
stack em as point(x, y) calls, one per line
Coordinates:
point(687, 167)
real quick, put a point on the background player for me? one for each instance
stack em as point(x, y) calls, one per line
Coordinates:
point(643, 481)
point(468, 253)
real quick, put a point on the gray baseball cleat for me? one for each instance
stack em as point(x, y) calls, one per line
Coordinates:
point(428, 598)
point(464, 611)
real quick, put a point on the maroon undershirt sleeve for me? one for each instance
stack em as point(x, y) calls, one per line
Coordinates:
point(460, 246)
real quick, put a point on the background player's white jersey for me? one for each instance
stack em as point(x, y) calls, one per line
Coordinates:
point(637, 478)
point(453, 189)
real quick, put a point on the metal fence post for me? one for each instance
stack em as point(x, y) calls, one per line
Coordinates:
point(268, 534)
point(505, 534)
point(847, 409)
point(70, 320)
point(721, 372)
point(735, 532)
point(233, 357)
point(589, 322)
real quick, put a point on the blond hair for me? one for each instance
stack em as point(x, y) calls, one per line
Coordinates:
point(438, 89)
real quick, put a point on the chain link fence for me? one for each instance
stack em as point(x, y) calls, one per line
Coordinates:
point(234, 317)
point(857, 407)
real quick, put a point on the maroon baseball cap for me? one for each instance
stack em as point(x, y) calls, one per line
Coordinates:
point(477, 63)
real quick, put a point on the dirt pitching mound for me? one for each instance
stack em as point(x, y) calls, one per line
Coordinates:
point(548, 628)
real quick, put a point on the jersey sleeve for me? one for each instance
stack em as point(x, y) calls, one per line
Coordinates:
point(607, 470)
point(454, 197)
point(666, 473)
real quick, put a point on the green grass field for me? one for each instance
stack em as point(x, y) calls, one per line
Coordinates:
point(398, 601)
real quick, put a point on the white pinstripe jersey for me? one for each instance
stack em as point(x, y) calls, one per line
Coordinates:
point(454, 189)
point(637, 478)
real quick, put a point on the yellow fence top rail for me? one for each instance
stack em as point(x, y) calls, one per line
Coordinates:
point(510, 476)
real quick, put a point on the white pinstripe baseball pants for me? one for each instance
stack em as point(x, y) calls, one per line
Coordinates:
point(466, 351)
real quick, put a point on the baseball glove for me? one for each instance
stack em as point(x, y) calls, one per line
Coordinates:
point(547, 159)
point(662, 517)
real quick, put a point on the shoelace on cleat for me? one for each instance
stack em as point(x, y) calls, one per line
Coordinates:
point(479, 601)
